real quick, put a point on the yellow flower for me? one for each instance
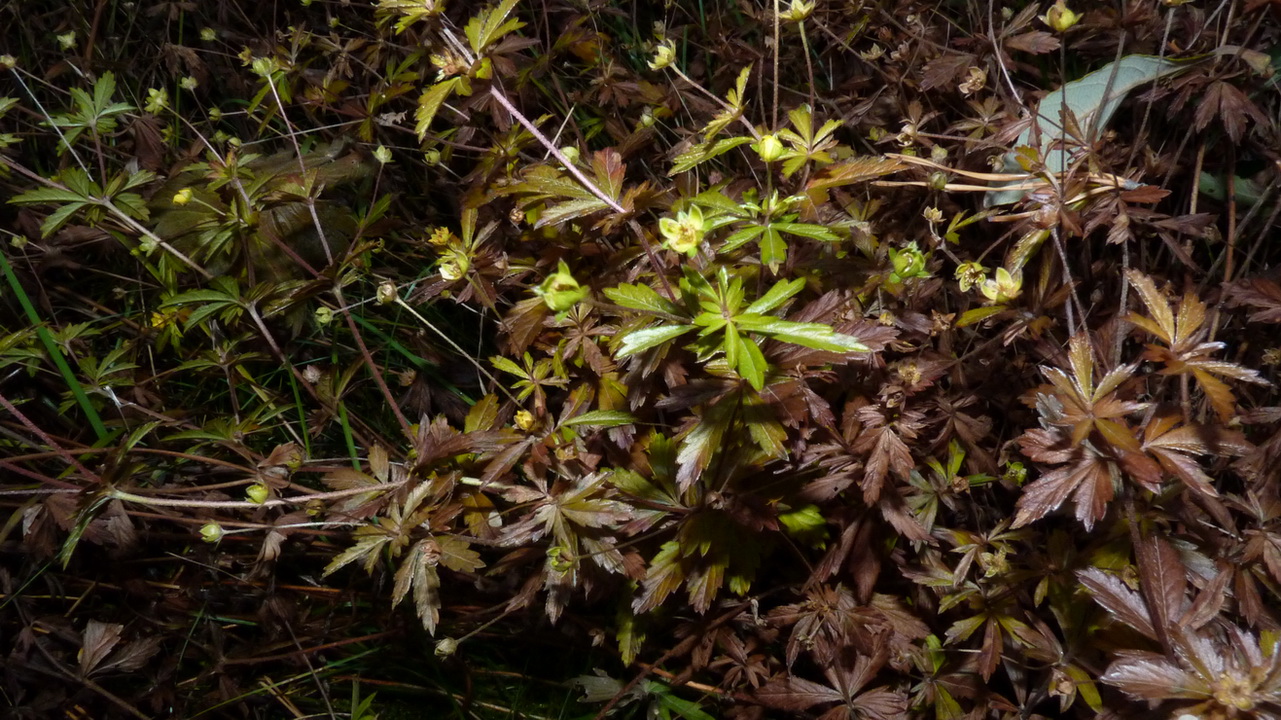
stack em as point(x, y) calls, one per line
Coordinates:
point(685, 233)
point(1059, 17)
point(524, 420)
point(969, 275)
point(157, 100)
point(664, 54)
point(440, 237)
point(798, 11)
point(182, 197)
point(1004, 288)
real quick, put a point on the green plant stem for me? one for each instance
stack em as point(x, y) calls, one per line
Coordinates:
point(55, 353)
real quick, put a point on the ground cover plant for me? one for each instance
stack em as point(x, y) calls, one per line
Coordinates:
point(699, 359)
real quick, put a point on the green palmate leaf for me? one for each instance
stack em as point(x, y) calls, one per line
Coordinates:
point(571, 210)
point(750, 362)
point(369, 542)
point(742, 237)
point(508, 366)
point(979, 314)
point(630, 638)
point(430, 101)
point(776, 296)
point(811, 335)
point(547, 181)
point(602, 418)
point(815, 232)
point(703, 152)
point(641, 297)
point(49, 195)
point(644, 339)
point(489, 26)
point(717, 200)
point(773, 249)
point(662, 578)
point(199, 296)
point(679, 707)
point(59, 217)
point(851, 172)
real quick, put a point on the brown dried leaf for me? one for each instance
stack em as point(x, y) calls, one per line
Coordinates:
point(1037, 42)
point(1163, 581)
point(794, 694)
point(1152, 677)
point(944, 70)
point(1124, 604)
point(1232, 107)
point(1260, 293)
point(97, 642)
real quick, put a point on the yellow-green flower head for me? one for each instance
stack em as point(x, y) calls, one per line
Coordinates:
point(157, 100)
point(386, 293)
point(1004, 288)
point(797, 11)
point(770, 148)
point(684, 234)
point(1059, 17)
point(664, 54)
point(970, 274)
point(182, 197)
point(455, 265)
point(560, 291)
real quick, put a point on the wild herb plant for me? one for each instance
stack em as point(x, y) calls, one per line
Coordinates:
point(699, 342)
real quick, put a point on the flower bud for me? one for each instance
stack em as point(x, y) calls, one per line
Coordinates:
point(455, 265)
point(257, 493)
point(770, 148)
point(561, 291)
point(211, 532)
point(386, 293)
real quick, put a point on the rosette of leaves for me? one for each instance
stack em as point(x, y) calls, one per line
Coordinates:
point(253, 213)
point(724, 322)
